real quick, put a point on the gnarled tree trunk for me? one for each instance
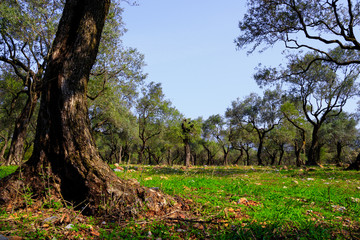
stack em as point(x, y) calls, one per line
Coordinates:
point(3, 149)
point(16, 151)
point(187, 156)
point(314, 150)
point(65, 156)
point(356, 164)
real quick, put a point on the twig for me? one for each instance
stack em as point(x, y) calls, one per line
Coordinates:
point(196, 221)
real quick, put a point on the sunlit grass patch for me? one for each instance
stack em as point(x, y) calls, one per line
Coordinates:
point(238, 203)
point(296, 199)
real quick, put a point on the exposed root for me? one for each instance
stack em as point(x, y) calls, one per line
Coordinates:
point(122, 199)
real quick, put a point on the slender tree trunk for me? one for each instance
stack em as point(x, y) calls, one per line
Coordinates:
point(314, 150)
point(282, 152)
point(339, 148)
point(226, 155)
point(247, 156)
point(187, 153)
point(239, 157)
point(168, 157)
point(120, 155)
point(210, 156)
point(16, 151)
point(273, 158)
point(259, 151)
point(297, 150)
point(64, 153)
point(209, 160)
point(149, 156)
point(141, 152)
point(2, 152)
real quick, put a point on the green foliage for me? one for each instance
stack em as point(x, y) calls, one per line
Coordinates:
point(257, 114)
point(326, 23)
point(191, 130)
point(317, 92)
point(7, 170)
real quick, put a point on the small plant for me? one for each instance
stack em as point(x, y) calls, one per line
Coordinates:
point(27, 195)
point(52, 203)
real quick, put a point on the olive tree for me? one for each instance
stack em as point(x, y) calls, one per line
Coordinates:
point(305, 25)
point(65, 153)
point(259, 114)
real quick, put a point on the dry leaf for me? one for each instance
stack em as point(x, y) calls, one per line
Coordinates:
point(95, 233)
point(242, 201)
point(231, 210)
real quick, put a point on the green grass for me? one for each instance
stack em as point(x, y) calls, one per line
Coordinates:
point(319, 204)
point(282, 204)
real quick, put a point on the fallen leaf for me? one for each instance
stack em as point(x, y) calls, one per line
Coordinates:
point(242, 201)
point(9, 207)
point(246, 202)
point(95, 233)
point(231, 210)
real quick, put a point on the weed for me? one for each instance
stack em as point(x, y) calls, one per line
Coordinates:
point(52, 203)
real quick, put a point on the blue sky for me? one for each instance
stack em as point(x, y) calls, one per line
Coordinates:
point(189, 48)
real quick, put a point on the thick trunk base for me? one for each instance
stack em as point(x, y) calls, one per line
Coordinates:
point(355, 165)
point(95, 193)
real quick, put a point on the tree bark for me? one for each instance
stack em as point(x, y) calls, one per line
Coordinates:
point(239, 157)
point(187, 154)
point(247, 160)
point(3, 149)
point(210, 156)
point(272, 158)
point(356, 164)
point(119, 159)
point(65, 159)
point(339, 148)
point(314, 150)
point(297, 149)
point(282, 152)
point(226, 155)
point(260, 148)
point(16, 151)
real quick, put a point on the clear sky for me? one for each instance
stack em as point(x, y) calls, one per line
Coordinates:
point(189, 48)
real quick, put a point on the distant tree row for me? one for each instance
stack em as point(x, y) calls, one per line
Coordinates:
point(299, 119)
point(134, 123)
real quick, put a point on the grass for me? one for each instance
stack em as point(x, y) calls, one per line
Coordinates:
point(230, 203)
